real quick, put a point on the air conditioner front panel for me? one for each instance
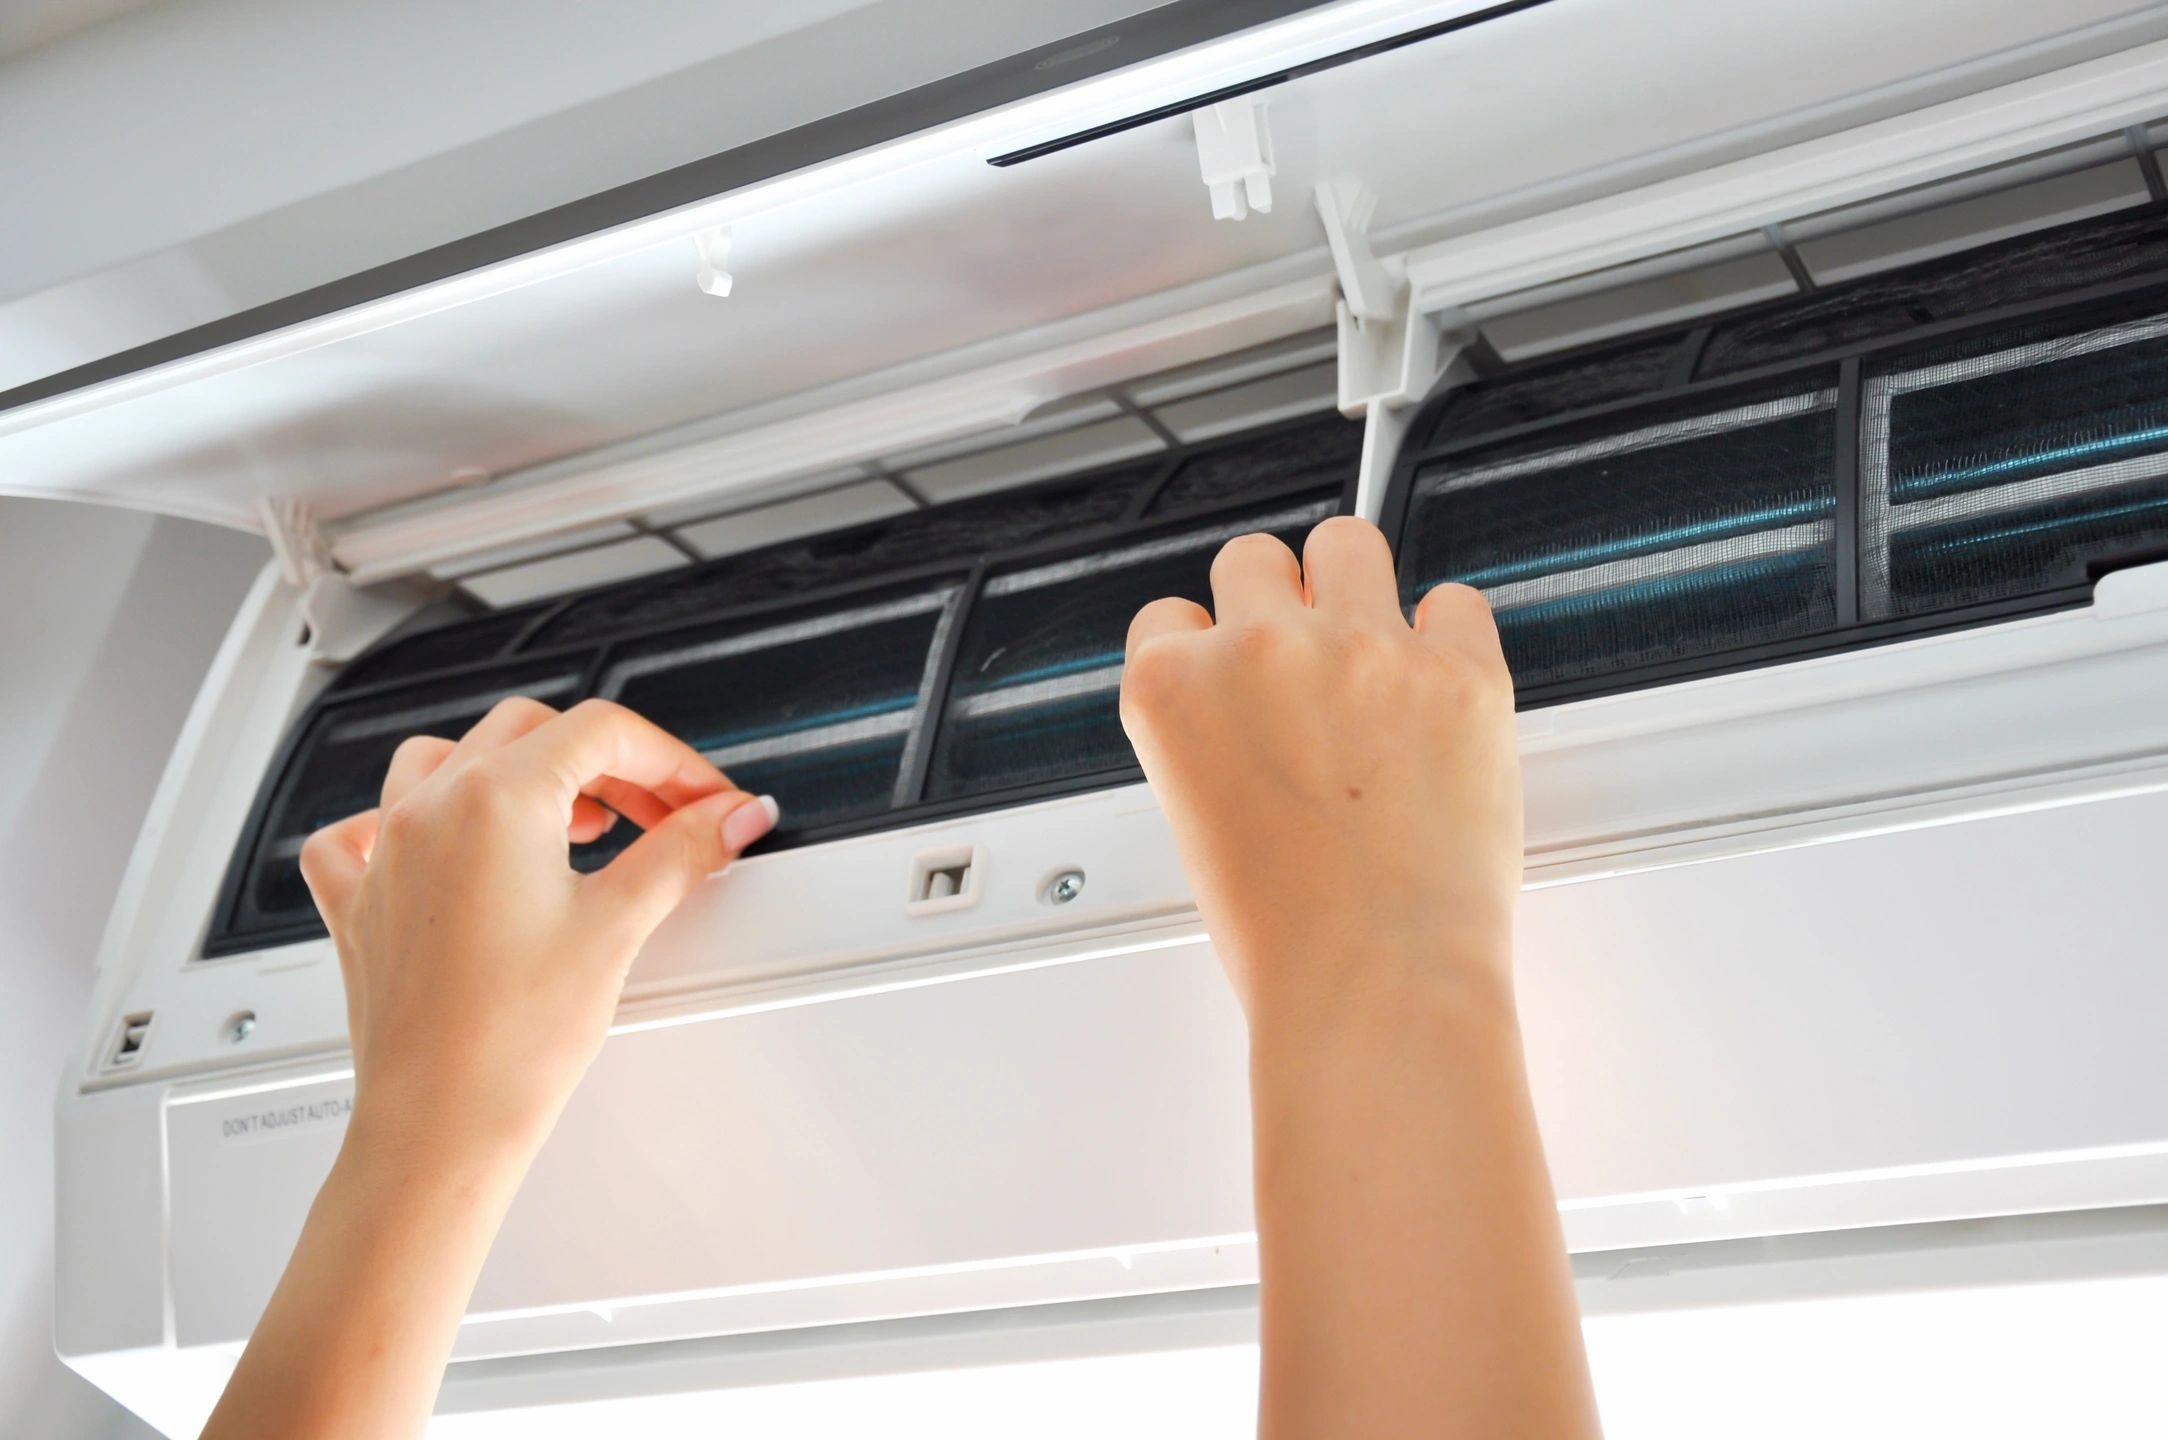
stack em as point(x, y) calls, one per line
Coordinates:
point(1903, 1027)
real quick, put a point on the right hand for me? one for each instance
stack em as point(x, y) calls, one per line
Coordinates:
point(1344, 790)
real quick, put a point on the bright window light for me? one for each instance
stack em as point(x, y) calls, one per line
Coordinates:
point(2077, 1359)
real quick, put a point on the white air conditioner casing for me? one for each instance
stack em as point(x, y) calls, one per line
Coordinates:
point(1860, 940)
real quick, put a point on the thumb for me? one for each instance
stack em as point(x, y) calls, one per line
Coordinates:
point(658, 870)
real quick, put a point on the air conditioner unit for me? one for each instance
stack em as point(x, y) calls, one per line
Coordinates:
point(1806, 423)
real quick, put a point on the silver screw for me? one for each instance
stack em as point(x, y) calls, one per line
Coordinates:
point(240, 1027)
point(1065, 887)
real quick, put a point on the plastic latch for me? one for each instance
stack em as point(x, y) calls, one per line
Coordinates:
point(1234, 154)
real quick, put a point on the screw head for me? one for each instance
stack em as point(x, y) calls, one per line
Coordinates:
point(240, 1027)
point(1065, 887)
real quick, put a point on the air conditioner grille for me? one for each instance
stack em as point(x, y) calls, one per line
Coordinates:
point(1038, 674)
point(1917, 458)
point(820, 669)
point(2011, 462)
point(819, 706)
point(334, 768)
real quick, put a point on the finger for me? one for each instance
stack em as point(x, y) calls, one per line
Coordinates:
point(332, 862)
point(512, 718)
point(598, 738)
point(416, 759)
point(1255, 576)
point(591, 820)
point(639, 806)
point(658, 870)
point(1348, 569)
point(1459, 618)
point(1170, 616)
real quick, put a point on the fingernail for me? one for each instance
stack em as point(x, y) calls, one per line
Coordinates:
point(747, 823)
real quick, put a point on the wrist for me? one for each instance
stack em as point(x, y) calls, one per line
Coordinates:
point(433, 1146)
point(1379, 1006)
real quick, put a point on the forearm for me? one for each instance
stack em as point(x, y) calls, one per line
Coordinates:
point(1414, 1275)
point(355, 1338)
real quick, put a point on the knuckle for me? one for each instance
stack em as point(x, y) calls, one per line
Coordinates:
point(521, 707)
point(1152, 676)
point(1348, 531)
point(1254, 542)
point(1252, 548)
point(414, 748)
point(1259, 641)
point(595, 709)
point(1462, 681)
point(477, 791)
point(316, 853)
point(400, 822)
point(1462, 602)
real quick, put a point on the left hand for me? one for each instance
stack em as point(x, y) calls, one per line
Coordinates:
point(482, 972)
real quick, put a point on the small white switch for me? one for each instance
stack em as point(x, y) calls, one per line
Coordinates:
point(949, 878)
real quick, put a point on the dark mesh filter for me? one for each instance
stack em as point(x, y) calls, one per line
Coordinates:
point(962, 530)
point(1037, 680)
point(1540, 391)
point(2031, 267)
point(1321, 450)
point(1657, 537)
point(338, 769)
point(465, 642)
point(816, 708)
point(2007, 465)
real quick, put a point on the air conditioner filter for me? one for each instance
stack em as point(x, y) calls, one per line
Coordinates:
point(1038, 676)
point(2011, 464)
point(337, 769)
point(1639, 541)
point(817, 708)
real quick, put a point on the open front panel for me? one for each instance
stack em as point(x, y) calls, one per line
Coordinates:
point(954, 656)
point(1810, 475)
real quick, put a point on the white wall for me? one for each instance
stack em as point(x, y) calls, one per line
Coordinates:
point(107, 623)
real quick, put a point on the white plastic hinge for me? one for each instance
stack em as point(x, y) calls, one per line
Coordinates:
point(1345, 207)
point(1234, 153)
point(343, 619)
point(296, 541)
point(713, 247)
point(1391, 352)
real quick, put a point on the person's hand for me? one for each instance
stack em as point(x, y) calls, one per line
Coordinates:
point(1345, 795)
point(1344, 790)
point(481, 971)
